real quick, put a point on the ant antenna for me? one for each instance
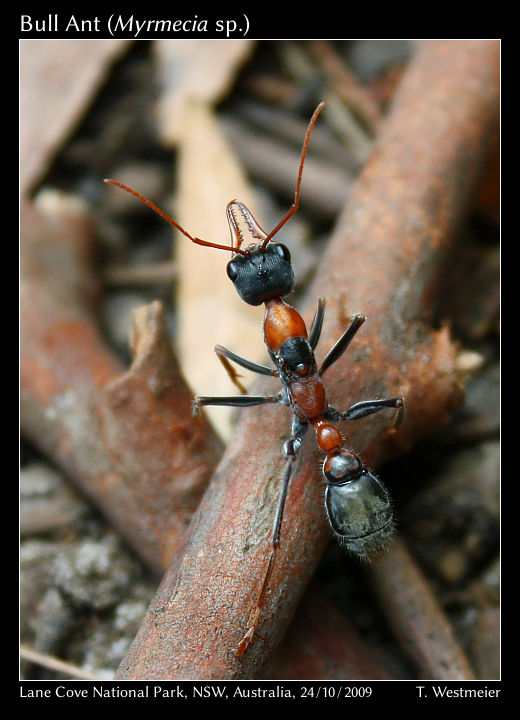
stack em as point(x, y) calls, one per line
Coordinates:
point(168, 219)
point(253, 225)
point(296, 202)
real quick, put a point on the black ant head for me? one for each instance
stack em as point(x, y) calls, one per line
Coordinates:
point(263, 270)
point(262, 273)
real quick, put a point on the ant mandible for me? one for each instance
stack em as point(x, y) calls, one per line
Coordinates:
point(358, 505)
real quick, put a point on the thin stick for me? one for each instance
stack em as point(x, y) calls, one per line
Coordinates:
point(53, 663)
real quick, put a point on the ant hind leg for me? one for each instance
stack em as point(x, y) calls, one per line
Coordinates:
point(291, 449)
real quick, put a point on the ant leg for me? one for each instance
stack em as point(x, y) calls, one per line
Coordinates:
point(342, 344)
point(368, 407)
point(317, 323)
point(291, 448)
point(224, 355)
point(234, 401)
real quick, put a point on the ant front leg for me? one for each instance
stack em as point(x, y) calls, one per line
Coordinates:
point(233, 401)
point(368, 407)
point(339, 348)
point(317, 324)
point(291, 448)
point(224, 355)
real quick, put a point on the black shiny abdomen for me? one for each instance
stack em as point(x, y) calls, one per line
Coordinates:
point(360, 513)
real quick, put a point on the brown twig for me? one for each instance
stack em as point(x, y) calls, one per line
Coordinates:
point(346, 85)
point(143, 275)
point(55, 664)
point(416, 617)
point(128, 438)
point(384, 260)
point(326, 186)
point(322, 644)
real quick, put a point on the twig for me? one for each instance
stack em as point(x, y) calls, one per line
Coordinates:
point(54, 664)
point(58, 283)
point(326, 187)
point(417, 618)
point(127, 438)
point(346, 85)
point(143, 275)
point(340, 116)
point(323, 644)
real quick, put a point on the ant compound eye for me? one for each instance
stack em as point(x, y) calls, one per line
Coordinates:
point(232, 270)
point(342, 467)
point(283, 251)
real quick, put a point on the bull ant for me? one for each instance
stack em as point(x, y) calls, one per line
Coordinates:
point(358, 505)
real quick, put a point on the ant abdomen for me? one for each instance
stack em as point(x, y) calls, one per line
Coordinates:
point(358, 506)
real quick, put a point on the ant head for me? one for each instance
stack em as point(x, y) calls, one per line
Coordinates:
point(263, 270)
point(262, 274)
